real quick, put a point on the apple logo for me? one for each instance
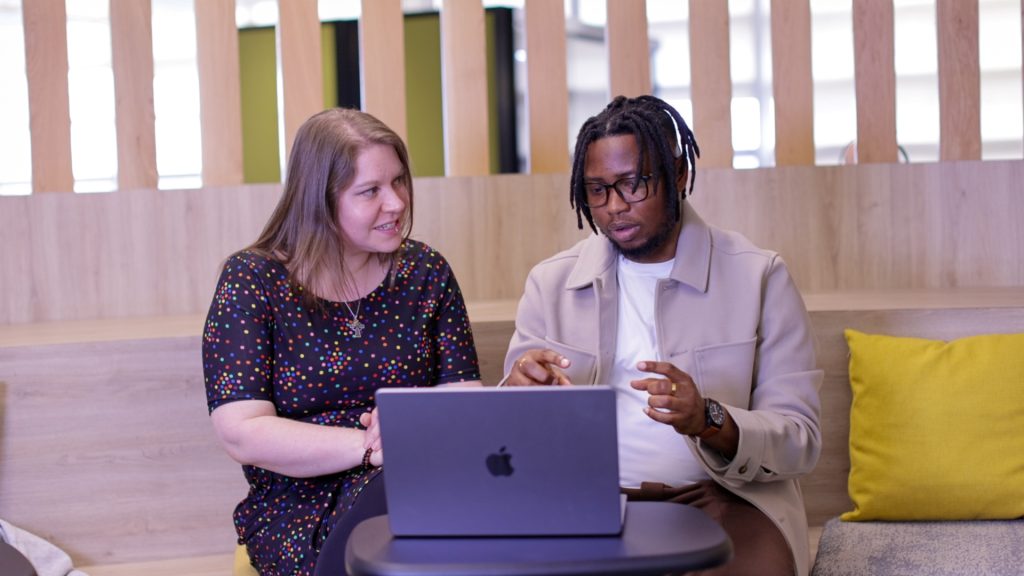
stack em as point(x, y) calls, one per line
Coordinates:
point(500, 463)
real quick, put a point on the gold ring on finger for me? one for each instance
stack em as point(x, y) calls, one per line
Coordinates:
point(674, 388)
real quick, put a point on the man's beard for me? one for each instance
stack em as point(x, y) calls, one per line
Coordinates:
point(652, 245)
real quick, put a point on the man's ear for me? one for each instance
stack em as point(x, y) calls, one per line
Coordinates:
point(682, 171)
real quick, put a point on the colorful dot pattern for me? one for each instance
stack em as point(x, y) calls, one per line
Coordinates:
point(261, 342)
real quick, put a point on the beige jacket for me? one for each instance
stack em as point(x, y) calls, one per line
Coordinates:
point(731, 317)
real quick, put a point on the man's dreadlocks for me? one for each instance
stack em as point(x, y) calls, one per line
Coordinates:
point(654, 123)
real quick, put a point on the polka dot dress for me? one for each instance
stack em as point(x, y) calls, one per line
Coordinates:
point(261, 342)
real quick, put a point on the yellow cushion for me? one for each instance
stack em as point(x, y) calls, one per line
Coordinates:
point(242, 565)
point(936, 428)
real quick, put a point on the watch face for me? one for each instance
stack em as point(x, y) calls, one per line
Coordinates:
point(715, 414)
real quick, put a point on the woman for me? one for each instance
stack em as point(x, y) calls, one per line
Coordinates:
point(331, 303)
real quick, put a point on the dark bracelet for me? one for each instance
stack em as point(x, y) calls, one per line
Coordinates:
point(366, 457)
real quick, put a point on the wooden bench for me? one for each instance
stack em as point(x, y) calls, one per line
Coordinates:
point(106, 448)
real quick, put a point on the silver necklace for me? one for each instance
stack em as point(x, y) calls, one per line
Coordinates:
point(354, 324)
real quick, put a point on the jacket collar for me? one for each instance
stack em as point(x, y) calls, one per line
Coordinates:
point(693, 256)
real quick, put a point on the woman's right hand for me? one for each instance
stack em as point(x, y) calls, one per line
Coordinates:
point(371, 440)
point(539, 367)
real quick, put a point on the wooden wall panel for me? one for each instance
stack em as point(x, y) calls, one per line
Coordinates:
point(711, 81)
point(505, 225)
point(959, 80)
point(791, 82)
point(463, 70)
point(874, 68)
point(629, 51)
point(382, 54)
point(220, 97)
point(46, 68)
point(877, 226)
point(300, 72)
point(82, 473)
point(117, 255)
point(881, 225)
point(131, 38)
point(547, 87)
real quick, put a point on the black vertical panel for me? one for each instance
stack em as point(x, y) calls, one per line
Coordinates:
point(346, 50)
point(504, 70)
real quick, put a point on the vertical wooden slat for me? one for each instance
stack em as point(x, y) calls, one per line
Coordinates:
point(629, 54)
point(711, 81)
point(547, 94)
point(382, 66)
point(300, 75)
point(874, 68)
point(131, 38)
point(220, 99)
point(959, 80)
point(46, 67)
point(464, 86)
point(791, 82)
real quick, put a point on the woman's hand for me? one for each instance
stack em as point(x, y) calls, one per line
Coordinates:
point(371, 438)
point(539, 367)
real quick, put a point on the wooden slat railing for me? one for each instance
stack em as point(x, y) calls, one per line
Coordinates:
point(300, 61)
point(629, 68)
point(46, 66)
point(959, 80)
point(791, 82)
point(383, 93)
point(711, 82)
point(220, 98)
point(465, 99)
point(464, 89)
point(131, 39)
point(875, 80)
point(547, 88)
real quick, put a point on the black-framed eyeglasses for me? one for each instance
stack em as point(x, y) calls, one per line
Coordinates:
point(631, 189)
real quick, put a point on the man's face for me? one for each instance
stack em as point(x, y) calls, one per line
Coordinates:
point(643, 231)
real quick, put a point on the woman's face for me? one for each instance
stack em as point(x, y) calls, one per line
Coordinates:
point(371, 208)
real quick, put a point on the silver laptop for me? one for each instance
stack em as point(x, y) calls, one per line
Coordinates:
point(538, 461)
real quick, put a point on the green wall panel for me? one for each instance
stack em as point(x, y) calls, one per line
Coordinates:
point(258, 77)
point(257, 52)
point(423, 105)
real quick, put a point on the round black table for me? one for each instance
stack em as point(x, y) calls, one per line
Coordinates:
point(657, 537)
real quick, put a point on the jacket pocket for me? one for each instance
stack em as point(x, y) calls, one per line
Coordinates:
point(583, 365)
point(725, 371)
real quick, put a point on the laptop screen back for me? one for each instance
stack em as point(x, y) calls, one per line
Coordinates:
point(500, 461)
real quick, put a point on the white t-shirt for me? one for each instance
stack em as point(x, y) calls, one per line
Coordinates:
point(649, 451)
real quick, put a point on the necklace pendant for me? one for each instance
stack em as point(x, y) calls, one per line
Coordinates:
point(356, 327)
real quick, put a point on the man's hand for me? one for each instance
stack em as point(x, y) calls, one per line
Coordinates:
point(674, 399)
point(539, 367)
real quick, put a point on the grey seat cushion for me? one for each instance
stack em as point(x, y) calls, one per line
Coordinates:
point(915, 548)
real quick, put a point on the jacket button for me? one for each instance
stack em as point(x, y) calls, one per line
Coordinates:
point(743, 469)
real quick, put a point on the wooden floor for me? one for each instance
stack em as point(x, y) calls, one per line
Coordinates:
point(216, 565)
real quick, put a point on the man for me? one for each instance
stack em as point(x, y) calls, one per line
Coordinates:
point(703, 336)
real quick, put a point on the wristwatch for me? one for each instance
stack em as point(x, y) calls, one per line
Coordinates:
point(714, 418)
